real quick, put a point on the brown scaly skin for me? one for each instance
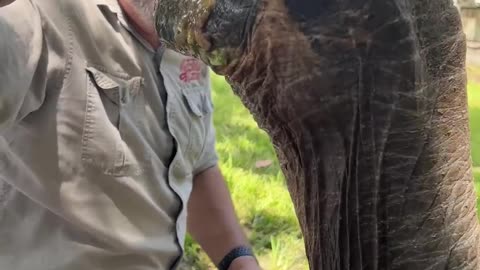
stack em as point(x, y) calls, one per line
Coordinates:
point(365, 103)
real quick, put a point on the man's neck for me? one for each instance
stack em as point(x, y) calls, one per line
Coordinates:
point(143, 23)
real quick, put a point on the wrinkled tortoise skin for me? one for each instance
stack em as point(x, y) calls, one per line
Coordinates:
point(366, 105)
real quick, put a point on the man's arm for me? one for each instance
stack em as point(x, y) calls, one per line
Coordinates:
point(212, 220)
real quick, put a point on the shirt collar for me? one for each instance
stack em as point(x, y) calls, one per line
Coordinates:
point(113, 7)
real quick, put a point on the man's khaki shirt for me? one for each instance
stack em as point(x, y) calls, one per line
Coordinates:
point(100, 138)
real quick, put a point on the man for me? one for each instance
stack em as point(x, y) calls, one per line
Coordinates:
point(106, 139)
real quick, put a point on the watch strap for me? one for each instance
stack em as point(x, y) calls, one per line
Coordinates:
point(234, 254)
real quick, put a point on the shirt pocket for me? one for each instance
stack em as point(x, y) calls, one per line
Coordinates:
point(112, 103)
point(199, 112)
point(198, 101)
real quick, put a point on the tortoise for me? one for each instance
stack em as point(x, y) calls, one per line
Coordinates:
point(365, 102)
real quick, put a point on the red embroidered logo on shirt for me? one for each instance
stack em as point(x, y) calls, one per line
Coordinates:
point(190, 70)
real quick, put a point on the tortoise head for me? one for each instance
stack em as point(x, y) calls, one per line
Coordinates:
point(248, 41)
point(214, 31)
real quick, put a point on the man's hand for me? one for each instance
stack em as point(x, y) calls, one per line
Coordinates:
point(5, 2)
point(245, 263)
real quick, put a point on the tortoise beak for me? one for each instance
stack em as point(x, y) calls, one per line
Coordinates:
point(214, 31)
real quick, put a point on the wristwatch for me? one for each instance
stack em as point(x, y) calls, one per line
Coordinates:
point(235, 253)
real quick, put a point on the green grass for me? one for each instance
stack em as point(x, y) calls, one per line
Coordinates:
point(474, 104)
point(261, 198)
point(260, 195)
point(474, 107)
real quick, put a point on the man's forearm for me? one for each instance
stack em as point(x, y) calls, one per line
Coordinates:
point(212, 220)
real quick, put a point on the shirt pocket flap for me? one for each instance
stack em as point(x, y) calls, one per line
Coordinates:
point(102, 81)
point(198, 100)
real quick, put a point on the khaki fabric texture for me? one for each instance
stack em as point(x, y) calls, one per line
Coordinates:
point(100, 139)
